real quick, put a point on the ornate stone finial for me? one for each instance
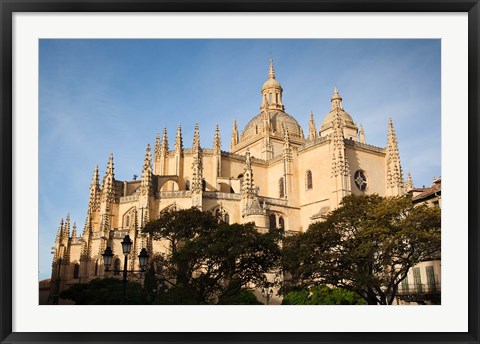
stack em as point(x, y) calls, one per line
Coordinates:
point(271, 71)
point(217, 144)
point(312, 131)
point(393, 169)
point(196, 138)
point(248, 161)
point(74, 230)
point(110, 169)
point(248, 189)
point(287, 149)
point(108, 185)
point(179, 140)
point(336, 100)
point(409, 183)
point(286, 137)
point(66, 228)
point(94, 200)
point(197, 166)
point(340, 165)
point(361, 134)
point(146, 182)
point(60, 231)
point(156, 151)
point(164, 145)
point(95, 178)
point(234, 140)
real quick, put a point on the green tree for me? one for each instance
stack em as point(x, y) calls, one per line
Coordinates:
point(322, 295)
point(150, 284)
point(366, 246)
point(243, 297)
point(211, 259)
point(106, 291)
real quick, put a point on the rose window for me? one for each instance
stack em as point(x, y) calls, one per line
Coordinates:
point(360, 180)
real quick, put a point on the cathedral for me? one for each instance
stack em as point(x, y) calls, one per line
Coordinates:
point(273, 175)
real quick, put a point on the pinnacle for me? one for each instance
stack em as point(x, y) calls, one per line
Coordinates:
point(271, 71)
point(216, 140)
point(178, 139)
point(196, 137)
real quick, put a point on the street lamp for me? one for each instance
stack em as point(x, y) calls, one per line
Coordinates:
point(267, 294)
point(126, 248)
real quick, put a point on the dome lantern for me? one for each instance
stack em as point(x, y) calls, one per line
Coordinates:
point(272, 92)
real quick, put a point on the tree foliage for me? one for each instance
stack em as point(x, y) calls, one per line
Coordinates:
point(322, 295)
point(209, 259)
point(366, 246)
point(106, 291)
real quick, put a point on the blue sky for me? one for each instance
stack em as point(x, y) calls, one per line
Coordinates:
point(98, 97)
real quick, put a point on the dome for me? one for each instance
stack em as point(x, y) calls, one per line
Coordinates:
point(277, 119)
point(271, 83)
point(347, 119)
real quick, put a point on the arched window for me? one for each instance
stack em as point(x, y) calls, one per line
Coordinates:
point(273, 221)
point(127, 221)
point(281, 222)
point(204, 185)
point(227, 218)
point(187, 185)
point(96, 267)
point(281, 188)
point(309, 180)
point(76, 270)
point(116, 267)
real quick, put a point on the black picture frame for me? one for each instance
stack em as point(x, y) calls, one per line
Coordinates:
point(9, 7)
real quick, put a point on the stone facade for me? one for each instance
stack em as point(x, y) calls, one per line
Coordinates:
point(273, 175)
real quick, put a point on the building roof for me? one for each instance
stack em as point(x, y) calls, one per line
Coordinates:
point(431, 191)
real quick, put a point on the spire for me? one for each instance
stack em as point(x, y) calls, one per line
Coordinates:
point(110, 166)
point(94, 200)
point(74, 230)
point(217, 144)
point(66, 228)
point(86, 228)
point(108, 185)
point(340, 166)
point(179, 140)
point(87, 238)
point(312, 131)
point(156, 154)
point(247, 185)
point(164, 146)
point(362, 135)
point(234, 140)
point(60, 231)
point(197, 168)
point(336, 100)
point(146, 182)
point(271, 71)
point(196, 138)
point(409, 183)
point(394, 168)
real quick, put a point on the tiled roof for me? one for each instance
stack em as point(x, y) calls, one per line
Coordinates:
point(427, 192)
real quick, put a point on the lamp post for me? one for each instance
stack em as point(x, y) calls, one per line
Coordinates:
point(126, 247)
point(267, 294)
